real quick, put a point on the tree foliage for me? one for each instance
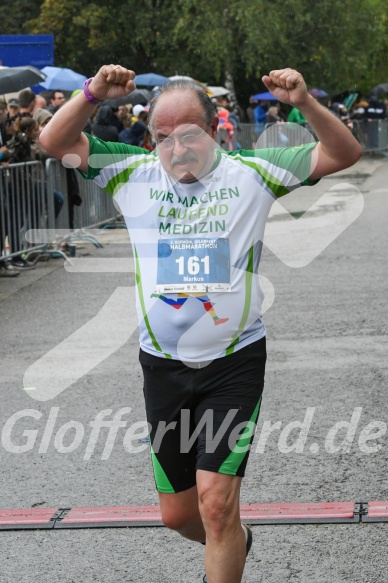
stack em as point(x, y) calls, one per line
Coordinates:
point(15, 19)
point(336, 44)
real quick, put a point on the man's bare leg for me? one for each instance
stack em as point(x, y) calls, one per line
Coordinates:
point(180, 512)
point(210, 512)
point(219, 506)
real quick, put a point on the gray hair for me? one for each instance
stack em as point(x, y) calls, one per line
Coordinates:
point(209, 109)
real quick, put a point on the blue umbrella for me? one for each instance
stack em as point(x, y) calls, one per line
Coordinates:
point(62, 79)
point(266, 96)
point(150, 80)
point(315, 92)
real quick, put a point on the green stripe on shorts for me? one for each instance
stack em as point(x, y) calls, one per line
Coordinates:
point(163, 484)
point(232, 463)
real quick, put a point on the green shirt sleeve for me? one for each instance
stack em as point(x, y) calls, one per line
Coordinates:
point(289, 168)
point(103, 154)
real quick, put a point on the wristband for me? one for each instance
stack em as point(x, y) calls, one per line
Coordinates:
point(87, 93)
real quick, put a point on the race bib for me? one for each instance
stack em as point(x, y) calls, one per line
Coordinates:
point(193, 265)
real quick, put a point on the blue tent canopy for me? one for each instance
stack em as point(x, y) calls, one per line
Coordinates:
point(266, 96)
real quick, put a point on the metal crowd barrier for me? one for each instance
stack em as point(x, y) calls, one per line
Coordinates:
point(96, 209)
point(23, 205)
point(371, 134)
point(27, 202)
point(258, 136)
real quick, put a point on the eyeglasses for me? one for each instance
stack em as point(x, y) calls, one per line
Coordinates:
point(186, 140)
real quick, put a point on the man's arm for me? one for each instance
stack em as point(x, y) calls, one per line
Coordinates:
point(63, 134)
point(337, 148)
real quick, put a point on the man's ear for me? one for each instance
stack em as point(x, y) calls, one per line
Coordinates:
point(214, 125)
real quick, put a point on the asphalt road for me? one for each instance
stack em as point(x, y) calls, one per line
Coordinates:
point(327, 365)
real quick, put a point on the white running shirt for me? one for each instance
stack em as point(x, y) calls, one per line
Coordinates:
point(197, 246)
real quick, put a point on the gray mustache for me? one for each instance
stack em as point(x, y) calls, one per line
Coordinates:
point(189, 157)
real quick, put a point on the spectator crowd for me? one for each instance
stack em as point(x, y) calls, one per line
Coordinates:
point(21, 121)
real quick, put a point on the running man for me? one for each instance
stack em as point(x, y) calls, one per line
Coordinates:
point(208, 209)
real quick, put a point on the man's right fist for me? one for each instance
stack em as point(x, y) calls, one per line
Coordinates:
point(112, 81)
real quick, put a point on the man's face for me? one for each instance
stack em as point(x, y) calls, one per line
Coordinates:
point(58, 99)
point(185, 144)
point(34, 132)
point(222, 102)
point(43, 125)
point(122, 112)
point(12, 110)
point(40, 102)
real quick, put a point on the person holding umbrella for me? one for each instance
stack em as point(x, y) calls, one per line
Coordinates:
point(196, 217)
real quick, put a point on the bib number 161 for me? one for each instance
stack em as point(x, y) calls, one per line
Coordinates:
point(192, 265)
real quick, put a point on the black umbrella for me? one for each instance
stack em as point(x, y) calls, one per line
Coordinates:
point(382, 88)
point(137, 97)
point(340, 95)
point(17, 78)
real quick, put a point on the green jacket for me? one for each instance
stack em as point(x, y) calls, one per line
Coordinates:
point(296, 116)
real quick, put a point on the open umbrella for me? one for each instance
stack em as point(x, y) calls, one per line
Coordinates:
point(347, 97)
point(137, 97)
point(382, 88)
point(62, 79)
point(18, 78)
point(150, 80)
point(266, 96)
point(217, 91)
point(315, 92)
point(181, 78)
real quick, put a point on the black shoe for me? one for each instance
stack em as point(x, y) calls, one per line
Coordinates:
point(6, 272)
point(21, 263)
point(249, 537)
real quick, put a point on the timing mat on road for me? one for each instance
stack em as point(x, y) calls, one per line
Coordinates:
point(131, 516)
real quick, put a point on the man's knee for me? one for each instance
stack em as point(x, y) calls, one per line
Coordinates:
point(175, 519)
point(179, 511)
point(215, 510)
point(218, 498)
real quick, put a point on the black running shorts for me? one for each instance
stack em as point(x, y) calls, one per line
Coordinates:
point(202, 418)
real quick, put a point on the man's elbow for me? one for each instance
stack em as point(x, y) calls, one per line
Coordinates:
point(324, 163)
point(347, 160)
point(47, 141)
point(54, 144)
point(356, 153)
